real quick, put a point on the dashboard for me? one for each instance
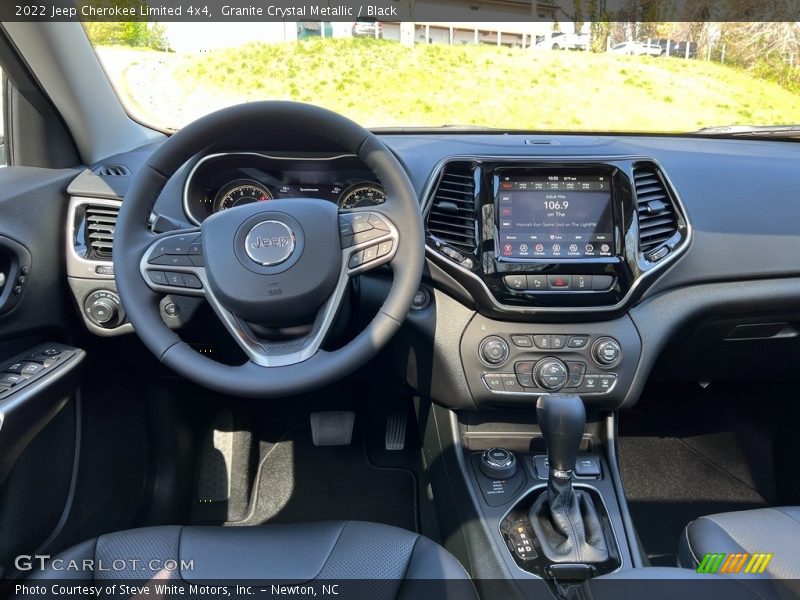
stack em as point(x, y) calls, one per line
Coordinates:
point(221, 181)
point(555, 262)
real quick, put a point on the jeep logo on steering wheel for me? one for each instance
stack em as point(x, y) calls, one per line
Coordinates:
point(270, 243)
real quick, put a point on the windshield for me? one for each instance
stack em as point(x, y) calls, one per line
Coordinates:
point(537, 76)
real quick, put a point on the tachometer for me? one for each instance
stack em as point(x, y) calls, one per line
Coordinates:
point(237, 193)
point(365, 193)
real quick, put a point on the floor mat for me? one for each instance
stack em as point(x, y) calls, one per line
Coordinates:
point(686, 454)
point(299, 482)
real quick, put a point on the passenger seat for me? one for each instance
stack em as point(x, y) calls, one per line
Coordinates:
point(773, 531)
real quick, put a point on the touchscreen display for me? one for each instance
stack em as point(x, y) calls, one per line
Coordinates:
point(555, 216)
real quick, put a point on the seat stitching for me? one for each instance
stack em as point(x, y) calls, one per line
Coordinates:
point(689, 545)
point(571, 525)
point(333, 548)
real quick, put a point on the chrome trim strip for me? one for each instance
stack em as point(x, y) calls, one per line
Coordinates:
point(196, 166)
point(427, 196)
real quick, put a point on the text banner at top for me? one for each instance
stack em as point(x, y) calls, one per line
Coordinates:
point(456, 11)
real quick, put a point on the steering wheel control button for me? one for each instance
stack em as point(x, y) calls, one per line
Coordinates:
point(522, 341)
point(174, 279)
point(385, 248)
point(157, 277)
point(270, 243)
point(551, 374)
point(367, 236)
point(578, 341)
point(170, 260)
point(192, 281)
point(606, 352)
point(356, 259)
point(498, 463)
point(197, 260)
point(494, 350)
point(378, 223)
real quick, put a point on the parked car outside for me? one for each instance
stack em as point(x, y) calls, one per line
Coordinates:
point(367, 27)
point(636, 49)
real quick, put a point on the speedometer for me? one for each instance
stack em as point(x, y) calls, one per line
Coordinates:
point(238, 193)
point(365, 193)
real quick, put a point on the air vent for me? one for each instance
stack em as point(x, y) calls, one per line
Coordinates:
point(452, 216)
point(100, 223)
point(112, 171)
point(657, 219)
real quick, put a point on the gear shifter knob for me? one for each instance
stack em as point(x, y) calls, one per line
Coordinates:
point(562, 419)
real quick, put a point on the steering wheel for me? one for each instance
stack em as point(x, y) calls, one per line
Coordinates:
point(272, 264)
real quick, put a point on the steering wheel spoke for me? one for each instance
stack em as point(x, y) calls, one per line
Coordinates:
point(174, 264)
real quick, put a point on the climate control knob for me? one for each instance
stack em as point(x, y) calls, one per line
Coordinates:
point(494, 350)
point(606, 352)
point(551, 374)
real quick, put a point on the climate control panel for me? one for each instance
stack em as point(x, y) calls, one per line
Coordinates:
point(508, 363)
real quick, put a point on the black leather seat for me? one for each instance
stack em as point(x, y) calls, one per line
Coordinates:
point(764, 530)
point(388, 562)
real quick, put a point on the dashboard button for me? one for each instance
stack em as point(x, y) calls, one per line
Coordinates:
point(510, 383)
point(558, 341)
point(516, 282)
point(522, 341)
point(493, 381)
point(559, 282)
point(590, 384)
point(537, 282)
point(543, 342)
point(494, 350)
point(602, 282)
point(581, 282)
point(587, 466)
point(578, 341)
point(606, 382)
point(524, 372)
point(576, 371)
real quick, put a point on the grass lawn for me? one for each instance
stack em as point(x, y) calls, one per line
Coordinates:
point(381, 83)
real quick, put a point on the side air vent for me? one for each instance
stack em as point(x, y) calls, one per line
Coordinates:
point(451, 219)
point(99, 231)
point(112, 171)
point(658, 222)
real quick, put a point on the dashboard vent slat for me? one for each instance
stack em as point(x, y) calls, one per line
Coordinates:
point(100, 224)
point(112, 171)
point(452, 217)
point(658, 222)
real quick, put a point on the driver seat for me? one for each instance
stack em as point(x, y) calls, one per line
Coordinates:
point(386, 561)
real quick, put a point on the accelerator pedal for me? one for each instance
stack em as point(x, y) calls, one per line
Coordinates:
point(332, 428)
point(396, 423)
point(216, 463)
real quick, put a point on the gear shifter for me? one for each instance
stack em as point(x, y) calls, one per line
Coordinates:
point(565, 520)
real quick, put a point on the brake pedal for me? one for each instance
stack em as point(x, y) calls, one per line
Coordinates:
point(333, 428)
point(396, 422)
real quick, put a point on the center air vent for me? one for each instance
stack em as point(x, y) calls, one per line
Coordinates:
point(658, 222)
point(99, 231)
point(451, 219)
point(112, 171)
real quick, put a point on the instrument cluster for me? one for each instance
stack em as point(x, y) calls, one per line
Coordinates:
point(224, 181)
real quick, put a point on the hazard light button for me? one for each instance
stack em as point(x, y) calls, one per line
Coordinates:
point(559, 282)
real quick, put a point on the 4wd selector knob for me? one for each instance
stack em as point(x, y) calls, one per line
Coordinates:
point(551, 374)
point(494, 350)
point(606, 352)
